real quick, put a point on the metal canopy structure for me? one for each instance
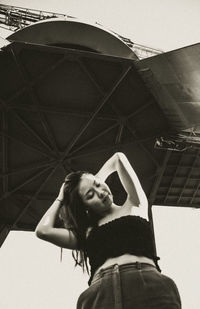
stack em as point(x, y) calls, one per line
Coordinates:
point(65, 109)
point(174, 78)
point(14, 18)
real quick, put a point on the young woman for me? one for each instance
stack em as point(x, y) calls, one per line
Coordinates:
point(117, 240)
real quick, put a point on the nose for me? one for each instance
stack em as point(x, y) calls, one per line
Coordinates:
point(100, 193)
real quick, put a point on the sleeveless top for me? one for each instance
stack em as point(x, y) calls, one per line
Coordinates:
point(127, 234)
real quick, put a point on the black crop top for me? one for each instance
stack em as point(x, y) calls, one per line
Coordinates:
point(127, 234)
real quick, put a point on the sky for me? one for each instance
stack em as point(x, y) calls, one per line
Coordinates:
point(162, 24)
point(31, 273)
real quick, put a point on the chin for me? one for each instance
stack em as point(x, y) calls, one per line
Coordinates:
point(108, 205)
point(111, 200)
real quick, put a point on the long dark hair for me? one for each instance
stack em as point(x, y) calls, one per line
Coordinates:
point(75, 216)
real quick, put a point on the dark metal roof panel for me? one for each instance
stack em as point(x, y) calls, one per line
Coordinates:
point(174, 78)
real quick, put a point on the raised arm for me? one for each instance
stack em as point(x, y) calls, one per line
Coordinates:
point(45, 229)
point(119, 163)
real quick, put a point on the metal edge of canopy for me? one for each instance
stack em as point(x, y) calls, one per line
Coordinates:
point(75, 33)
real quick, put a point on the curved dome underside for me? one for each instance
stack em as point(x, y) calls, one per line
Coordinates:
point(73, 33)
point(64, 110)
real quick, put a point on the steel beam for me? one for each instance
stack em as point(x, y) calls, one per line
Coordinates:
point(102, 149)
point(193, 177)
point(32, 131)
point(4, 134)
point(36, 80)
point(172, 204)
point(30, 179)
point(4, 231)
point(93, 139)
point(195, 192)
point(152, 228)
point(177, 187)
point(26, 169)
point(35, 101)
point(119, 134)
point(188, 177)
point(90, 75)
point(62, 111)
point(18, 204)
point(160, 171)
point(5, 153)
point(20, 215)
point(151, 198)
point(184, 166)
point(140, 109)
point(99, 107)
point(142, 146)
point(184, 196)
point(174, 175)
point(29, 194)
point(7, 108)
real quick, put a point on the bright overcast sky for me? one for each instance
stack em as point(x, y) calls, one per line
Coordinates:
point(162, 24)
point(31, 275)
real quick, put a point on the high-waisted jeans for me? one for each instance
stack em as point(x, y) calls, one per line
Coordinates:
point(130, 286)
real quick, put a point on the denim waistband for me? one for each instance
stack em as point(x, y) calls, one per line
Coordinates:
point(122, 267)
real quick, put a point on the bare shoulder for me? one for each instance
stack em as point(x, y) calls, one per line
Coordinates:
point(135, 210)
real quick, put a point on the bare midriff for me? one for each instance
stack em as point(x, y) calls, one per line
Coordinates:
point(125, 259)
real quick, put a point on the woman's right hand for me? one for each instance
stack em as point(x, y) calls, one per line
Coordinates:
point(61, 192)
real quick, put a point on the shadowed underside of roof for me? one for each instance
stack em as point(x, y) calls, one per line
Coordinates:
point(65, 110)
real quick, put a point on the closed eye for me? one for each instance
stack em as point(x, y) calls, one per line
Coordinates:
point(90, 194)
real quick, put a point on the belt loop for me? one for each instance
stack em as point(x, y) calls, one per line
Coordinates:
point(116, 267)
point(101, 273)
point(138, 265)
point(117, 289)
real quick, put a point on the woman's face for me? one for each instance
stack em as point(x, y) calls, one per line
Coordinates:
point(96, 195)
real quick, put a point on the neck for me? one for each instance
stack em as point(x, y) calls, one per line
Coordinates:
point(111, 211)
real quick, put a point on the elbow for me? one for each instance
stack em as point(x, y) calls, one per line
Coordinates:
point(41, 233)
point(120, 156)
point(38, 233)
point(120, 159)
